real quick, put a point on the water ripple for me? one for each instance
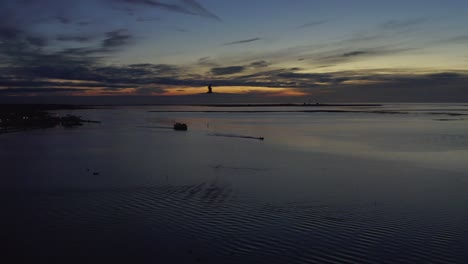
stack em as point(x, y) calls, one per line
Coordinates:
point(224, 224)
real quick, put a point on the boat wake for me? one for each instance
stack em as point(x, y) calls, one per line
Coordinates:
point(235, 136)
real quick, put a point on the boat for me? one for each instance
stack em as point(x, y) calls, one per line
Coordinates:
point(180, 126)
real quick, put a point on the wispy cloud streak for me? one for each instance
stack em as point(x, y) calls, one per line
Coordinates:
point(242, 41)
point(189, 7)
point(311, 24)
point(402, 24)
point(200, 10)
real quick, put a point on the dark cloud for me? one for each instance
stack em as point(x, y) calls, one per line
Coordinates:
point(274, 78)
point(147, 79)
point(338, 56)
point(294, 75)
point(35, 63)
point(113, 74)
point(259, 64)
point(189, 7)
point(354, 53)
point(200, 10)
point(90, 74)
point(311, 24)
point(116, 38)
point(74, 38)
point(25, 54)
point(30, 90)
point(158, 4)
point(85, 52)
point(9, 33)
point(206, 61)
point(402, 88)
point(331, 52)
point(227, 70)
point(72, 71)
point(22, 24)
point(308, 77)
point(157, 69)
point(445, 75)
point(21, 83)
point(242, 41)
point(64, 20)
point(37, 41)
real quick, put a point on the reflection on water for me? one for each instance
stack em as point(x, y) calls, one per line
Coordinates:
point(322, 187)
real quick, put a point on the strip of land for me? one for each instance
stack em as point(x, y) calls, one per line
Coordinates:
point(285, 105)
point(14, 118)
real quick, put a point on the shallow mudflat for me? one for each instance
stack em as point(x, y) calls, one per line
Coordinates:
point(321, 187)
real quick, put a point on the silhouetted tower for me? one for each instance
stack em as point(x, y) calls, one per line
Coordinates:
point(209, 89)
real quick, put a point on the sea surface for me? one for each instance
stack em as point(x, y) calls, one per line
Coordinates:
point(327, 184)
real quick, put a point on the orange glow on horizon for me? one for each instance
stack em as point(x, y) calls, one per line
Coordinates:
point(268, 91)
point(52, 80)
point(170, 91)
point(102, 92)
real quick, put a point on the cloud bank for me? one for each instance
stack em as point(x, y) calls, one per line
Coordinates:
point(51, 47)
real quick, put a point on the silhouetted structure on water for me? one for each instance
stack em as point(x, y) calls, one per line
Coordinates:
point(209, 89)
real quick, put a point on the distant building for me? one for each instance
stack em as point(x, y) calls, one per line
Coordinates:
point(209, 89)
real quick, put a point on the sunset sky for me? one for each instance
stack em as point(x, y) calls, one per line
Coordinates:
point(262, 51)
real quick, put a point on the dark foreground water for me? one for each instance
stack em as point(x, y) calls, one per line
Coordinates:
point(321, 188)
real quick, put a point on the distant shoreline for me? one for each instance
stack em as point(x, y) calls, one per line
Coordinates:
point(281, 111)
point(46, 107)
point(65, 106)
point(285, 105)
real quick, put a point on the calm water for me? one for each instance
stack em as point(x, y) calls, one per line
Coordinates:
point(323, 187)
